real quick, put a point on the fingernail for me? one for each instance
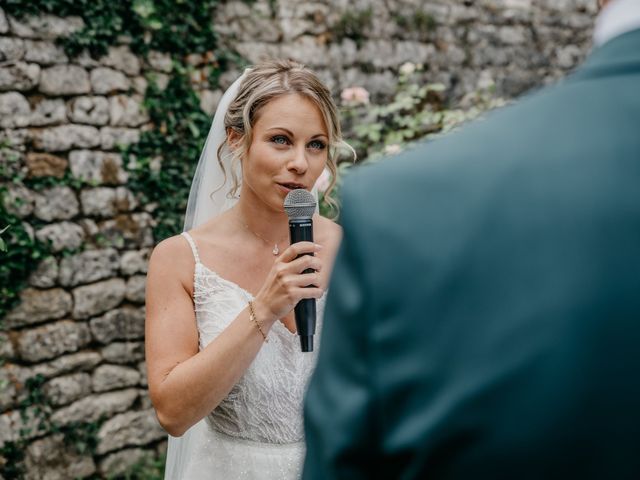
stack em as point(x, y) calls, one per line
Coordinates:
point(319, 247)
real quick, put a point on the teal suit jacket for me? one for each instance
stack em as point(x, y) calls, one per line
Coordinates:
point(484, 314)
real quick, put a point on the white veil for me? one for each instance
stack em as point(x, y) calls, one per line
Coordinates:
point(209, 189)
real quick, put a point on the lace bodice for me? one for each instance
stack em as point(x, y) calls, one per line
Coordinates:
point(266, 403)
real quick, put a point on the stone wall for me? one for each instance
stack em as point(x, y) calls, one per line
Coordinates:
point(81, 321)
point(517, 44)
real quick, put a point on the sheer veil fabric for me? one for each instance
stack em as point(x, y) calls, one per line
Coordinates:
point(208, 194)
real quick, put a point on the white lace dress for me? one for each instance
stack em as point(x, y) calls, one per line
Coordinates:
point(256, 432)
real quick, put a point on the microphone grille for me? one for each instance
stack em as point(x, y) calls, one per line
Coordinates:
point(299, 204)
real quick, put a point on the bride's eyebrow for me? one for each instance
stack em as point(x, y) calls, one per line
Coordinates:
point(290, 133)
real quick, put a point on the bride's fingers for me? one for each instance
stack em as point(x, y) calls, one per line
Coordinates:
point(307, 279)
point(309, 292)
point(300, 248)
point(301, 264)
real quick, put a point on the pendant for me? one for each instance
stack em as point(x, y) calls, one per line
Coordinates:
point(275, 250)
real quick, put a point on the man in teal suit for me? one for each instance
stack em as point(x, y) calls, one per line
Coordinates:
point(484, 314)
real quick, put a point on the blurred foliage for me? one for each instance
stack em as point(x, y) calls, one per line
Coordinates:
point(418, 111)
point(177, 26)
point(353, 24)
point(162, 164)
point(22, 255)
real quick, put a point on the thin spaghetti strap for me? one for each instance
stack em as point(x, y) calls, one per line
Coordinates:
point(194, 249)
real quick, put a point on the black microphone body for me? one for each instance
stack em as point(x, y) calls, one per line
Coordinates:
point(305, 310)
point(300, 205)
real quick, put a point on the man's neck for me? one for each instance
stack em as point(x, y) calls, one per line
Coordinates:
point(618, 17)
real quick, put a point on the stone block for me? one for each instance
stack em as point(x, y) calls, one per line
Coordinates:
point(111, 377)
point(4, 23)
point(56, 203)
point(45, 26)
point(6, 347)
point(134, 261)
point(112, 138)
point(145, 399)
point(123, 352)
point(11, 49)
point(46, 274)
point(62, 80)
point(14, 142)
point(63, 235)
point(88, 266)
point(128, 231)
point(50, 458)
point(48, 112)
point(126, 323)
point(67, 388)
point(52, 340)
point(7, 389)
point(125, 111)
point(117, 464)
point(97, 167)
point(19, 200)
point(91, 110)
point(14, 110)
point(142, 368)
point(14, 427)
point(209, 100)
point(121, 58)
point(107, 202)
point(44, 53)
point(74, 362)
point(46, 165)
point(136, 288)
point(160, 61)
point(108, 81)
point(65, 137)
point(129, 429)
point(19, 76)
point(97, 298)
point(38, 306)
point(91, 408)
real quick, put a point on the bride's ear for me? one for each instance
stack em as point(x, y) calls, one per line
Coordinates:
point(233, 139)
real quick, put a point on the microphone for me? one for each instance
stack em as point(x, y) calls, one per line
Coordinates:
point(300, 206)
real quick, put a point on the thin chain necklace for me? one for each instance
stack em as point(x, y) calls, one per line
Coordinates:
point(276, 250)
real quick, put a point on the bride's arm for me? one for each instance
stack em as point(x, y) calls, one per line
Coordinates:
point(186, 384)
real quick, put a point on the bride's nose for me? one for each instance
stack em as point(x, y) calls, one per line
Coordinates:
point(298, 161)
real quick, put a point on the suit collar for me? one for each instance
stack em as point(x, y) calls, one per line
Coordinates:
point(618, 56)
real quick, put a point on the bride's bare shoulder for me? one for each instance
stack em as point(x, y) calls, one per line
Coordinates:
point(327, 231)
point(172, 257)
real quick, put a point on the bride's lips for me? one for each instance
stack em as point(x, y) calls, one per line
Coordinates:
point(287, 187)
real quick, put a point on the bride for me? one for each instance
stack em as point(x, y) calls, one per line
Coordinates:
point(226, 375)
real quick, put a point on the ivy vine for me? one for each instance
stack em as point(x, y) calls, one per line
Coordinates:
point(160, 165)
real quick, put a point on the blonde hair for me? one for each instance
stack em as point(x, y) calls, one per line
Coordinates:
point(265, 82)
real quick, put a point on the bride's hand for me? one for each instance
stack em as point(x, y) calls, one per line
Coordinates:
point(286, 284)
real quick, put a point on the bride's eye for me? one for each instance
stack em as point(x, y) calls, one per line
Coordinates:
point(280, 140)
point(317, 145)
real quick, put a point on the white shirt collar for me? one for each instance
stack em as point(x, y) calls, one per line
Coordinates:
point(620, 16)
